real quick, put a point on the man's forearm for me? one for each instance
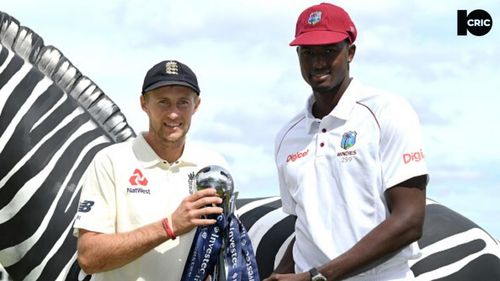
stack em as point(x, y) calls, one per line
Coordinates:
point(98, 252)
point(374, 249)
point(401, 228)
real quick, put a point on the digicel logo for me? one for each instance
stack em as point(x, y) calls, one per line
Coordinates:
point(413, 156)
point(297, 155)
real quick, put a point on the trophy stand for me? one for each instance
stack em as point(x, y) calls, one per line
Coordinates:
point(222, 269)
point(218, 178)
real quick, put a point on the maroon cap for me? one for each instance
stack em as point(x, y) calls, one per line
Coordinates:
point(323, 24)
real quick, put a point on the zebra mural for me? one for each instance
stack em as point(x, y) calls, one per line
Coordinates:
point(53, 120)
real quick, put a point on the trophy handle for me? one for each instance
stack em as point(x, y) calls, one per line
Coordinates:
point(231, 204)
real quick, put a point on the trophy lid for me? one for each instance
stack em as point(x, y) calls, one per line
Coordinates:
point(214, 176)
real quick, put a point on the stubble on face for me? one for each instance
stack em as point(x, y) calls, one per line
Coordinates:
point(170, 110)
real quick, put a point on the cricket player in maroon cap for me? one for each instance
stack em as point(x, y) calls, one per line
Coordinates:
point(351, 166)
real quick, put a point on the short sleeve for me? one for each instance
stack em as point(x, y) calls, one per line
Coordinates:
point(97, 206)
point(288, 203)
point(401, 148)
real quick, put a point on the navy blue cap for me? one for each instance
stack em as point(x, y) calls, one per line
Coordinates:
point(170, 72)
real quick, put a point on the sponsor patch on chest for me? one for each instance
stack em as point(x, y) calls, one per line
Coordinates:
point(139, 183)
point(297, 155)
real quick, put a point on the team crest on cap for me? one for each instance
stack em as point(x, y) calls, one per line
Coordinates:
point(171, 67)
point(314, 18)
point(348, 139)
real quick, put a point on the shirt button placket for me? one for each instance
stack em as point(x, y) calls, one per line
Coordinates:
point(165, 166)
point(322, 142)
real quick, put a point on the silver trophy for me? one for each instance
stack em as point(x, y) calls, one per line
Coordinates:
point(219, 178)
point(214, 176)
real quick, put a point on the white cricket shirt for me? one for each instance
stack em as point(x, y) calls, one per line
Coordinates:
point(127, 186)
point(333, 171)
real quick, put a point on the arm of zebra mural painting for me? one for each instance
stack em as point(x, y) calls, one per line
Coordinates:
point(53, 120)
point(287, 265)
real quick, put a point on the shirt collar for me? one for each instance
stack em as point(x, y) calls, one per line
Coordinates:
point(148, 157)
point(341, 111)
point(189, 155)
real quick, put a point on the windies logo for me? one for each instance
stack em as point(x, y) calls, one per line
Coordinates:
point(348, 139)
point(314, 18)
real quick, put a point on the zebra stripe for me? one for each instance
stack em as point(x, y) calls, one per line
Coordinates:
point(53, 120)
point(453, 253)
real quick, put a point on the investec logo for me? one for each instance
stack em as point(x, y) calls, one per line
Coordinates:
point(209, 251)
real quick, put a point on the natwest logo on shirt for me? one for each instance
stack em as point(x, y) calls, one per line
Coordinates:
point(297, 155)
point(413, 156)
point(139, 183)
point(138, 178)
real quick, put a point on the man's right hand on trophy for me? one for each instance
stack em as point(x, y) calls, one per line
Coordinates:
point(195, 209)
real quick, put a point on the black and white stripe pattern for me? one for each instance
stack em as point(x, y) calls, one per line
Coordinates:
point(453, 247)
point(53, 120)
